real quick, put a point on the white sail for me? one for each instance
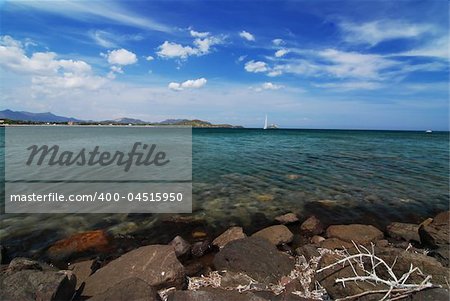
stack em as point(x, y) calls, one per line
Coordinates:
point(265, 123)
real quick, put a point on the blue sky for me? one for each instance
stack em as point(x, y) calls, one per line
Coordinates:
point(307, 64)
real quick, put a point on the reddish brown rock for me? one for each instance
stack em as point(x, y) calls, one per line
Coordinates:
point(231, 234)
point(130, 289)
point(436, 234)
point(316, 239)
point(312, 226)
point(180, 246)
point(360, 234)
point(95, 241)
point(277, 235)
point(157, 265)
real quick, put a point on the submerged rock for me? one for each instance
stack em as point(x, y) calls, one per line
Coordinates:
point(96, 241)
point(360, 234)
point(277, 235)
point(231, 234)
point(287, 218)
point(312, 226)
point(157, 265)
point(256, 257)
point(403, 231)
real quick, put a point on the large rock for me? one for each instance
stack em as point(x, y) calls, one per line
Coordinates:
point(256, 257)
point(312, 226)
point(231, 234)
point(90, 241)
point(436, 234)
point(277, 235)
point(32, 284)
point(130, 289)
point(403, 231)
point(157, 265)
point(335, 244)
point(360, 234)
point(327, 279)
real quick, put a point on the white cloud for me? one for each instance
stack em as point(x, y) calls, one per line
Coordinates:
point(48, 74)
point(201, 46)
point(197, 34)
point(438, 48)
point(189, 84)
point(256, 66)
point(246, 35)
point(121, 57)
point(241, 58)
point(277, 42)
point(149, 58)
point(281, 52)
point(351, 85)
point(268, 86)
point(378, 31)
point(102, 38)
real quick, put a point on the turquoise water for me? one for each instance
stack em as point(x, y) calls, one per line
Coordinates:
point(248, 176)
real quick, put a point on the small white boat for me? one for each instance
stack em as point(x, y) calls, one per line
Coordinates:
point(272, 126)
point(428, 131)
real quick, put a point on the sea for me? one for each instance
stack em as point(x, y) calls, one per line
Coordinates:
point(247, 177)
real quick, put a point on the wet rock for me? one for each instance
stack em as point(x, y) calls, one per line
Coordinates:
point(328, 277)
point(180, 246)
point(82, 270)
point(157, 265)
point(403, 231)
point(287, 218)
point(27, 285)
point(278, 234)
point(200, 248)
point(316, 239)
point(360, 234)
point(312, 226)
point(91, 241)
point(428, 265)
point(256, 257)
point(433, 294)
point(309, 251)
point(231, 234)
point(127, 290)
point(436, 234)
point(441, 254)
point(335, 244)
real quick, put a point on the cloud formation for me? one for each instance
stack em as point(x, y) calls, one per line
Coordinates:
point(256, 66)
point(247, 36)
point(189, 84)
point(201, 46)
point(121, 57)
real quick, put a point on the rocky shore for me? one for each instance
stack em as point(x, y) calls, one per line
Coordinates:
point(293, 259)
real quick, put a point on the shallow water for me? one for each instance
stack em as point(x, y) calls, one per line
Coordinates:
point(248, 176)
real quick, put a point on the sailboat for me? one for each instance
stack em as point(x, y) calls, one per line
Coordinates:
point(266, 126)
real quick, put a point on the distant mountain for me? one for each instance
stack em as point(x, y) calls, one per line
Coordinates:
point(35, 117)
point(172, 121)
point(126, 120)
point(23, 117)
